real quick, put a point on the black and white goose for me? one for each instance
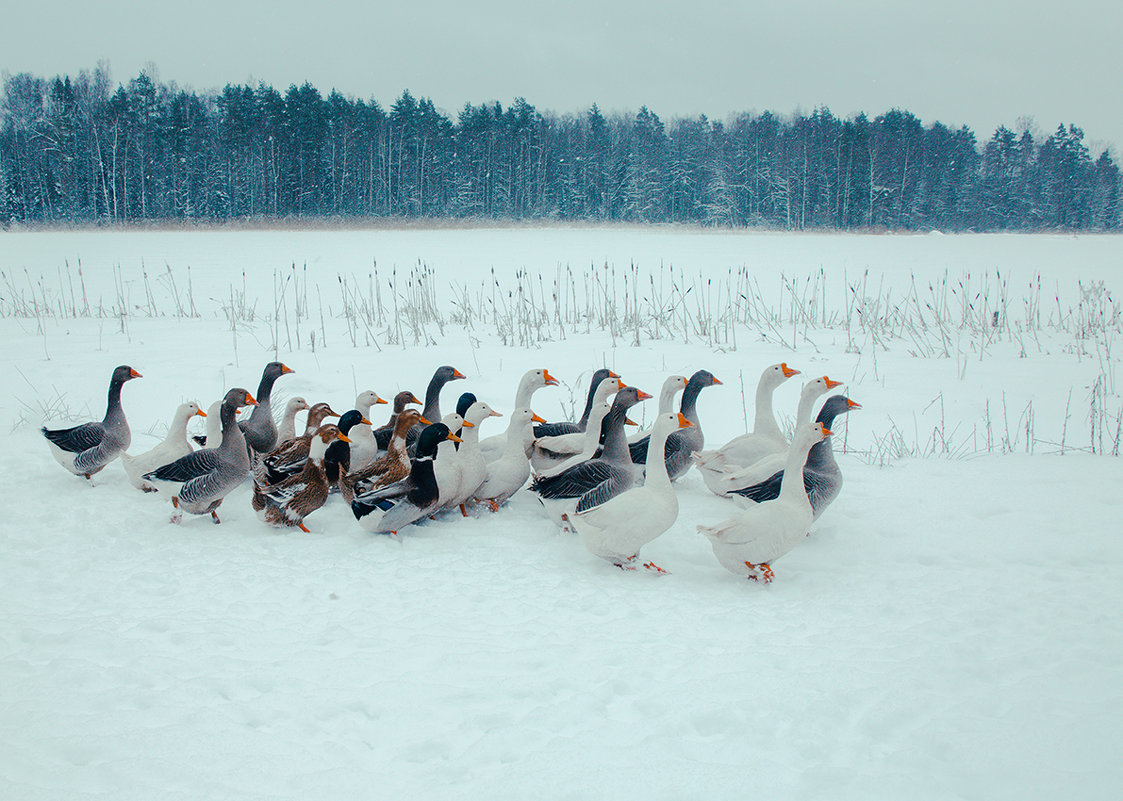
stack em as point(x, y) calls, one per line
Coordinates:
point(86, 449)
point(199, 481)
point(685, 441)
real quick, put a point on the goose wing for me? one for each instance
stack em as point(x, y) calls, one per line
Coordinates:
point(574, 482)
point(185, 468)
point(77, 439)
point(617, 481)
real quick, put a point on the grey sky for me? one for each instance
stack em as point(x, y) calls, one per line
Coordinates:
point(974, 63)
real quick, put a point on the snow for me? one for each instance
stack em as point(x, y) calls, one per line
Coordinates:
point(949, 629)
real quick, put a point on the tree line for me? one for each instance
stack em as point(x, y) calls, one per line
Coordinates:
point(81, 150)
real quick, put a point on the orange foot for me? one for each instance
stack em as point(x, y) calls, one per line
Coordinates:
point(303, 528)
point(762, 572)
point(494, 506)
point(214, 516)
point(654, 567)
point(463, 511)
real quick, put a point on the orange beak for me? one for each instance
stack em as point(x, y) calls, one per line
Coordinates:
point(249, 400)
point(787, 371)
point(643, 395)
point(286, 369)
point(457, 374)
point(453, 437)
point(343, 438)
point(716, 381)
point(683, 422)
point(364, 420)
point(466, 424)
point(134, 374)
point(622, 384)
point(832, 384)
point(630, 422)
point(537, 419)
point(827, 432)
point(331, 413)
point(423, 420)
point(612, 374)
point(495, 413)
point(853, 404)
point(200, 413)
point(413, 398)
point(550, 380)
point(380, 400)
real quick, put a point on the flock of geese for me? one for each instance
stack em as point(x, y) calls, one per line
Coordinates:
point(615, 491)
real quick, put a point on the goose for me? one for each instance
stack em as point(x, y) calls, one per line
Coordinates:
point(507, 474)
point(592, 439)
point(199, 481)
point(287, 429)
point(494, 447)
point(681, 444)
point(671, 388)
point(432, 407)
point(288, 458)
point(213, 437)
point(591, 483)
point(748, 543)
point(260, 430)
point(388, 468)
point(734, 478)
point(364, 447)
point(550, 451)
point(86, 449)
point(175, 445)
point(401, 400)
point(290, 501)
point(389, 509)
point(822, 479)
point(617, 529)
point(554, 429)
point(766, 437)
point(471, 463)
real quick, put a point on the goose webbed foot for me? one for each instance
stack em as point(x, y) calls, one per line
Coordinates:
point(655, 568)
point(214, 516)
point(761, 572)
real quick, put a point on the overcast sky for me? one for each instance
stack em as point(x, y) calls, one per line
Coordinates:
point(974, 63)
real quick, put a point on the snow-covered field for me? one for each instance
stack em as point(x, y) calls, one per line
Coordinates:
point(949, 630)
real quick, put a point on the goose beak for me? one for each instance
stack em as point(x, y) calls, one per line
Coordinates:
point(787, 371)
point(413, 398)
point(249, 400)
point(643, 395)
point(827, 432)
point(683, 422)
point(853, 404)
point(423, 420)
point(453, 437)
point(612, 374)
point(550, 380)
point(622, 385)
point(537, 419)
point(366, 421)
point(200, 413)
point(466, 424)
point(134, 374)
point(286, 369)
point(716, 381)
point(343, 438)
point(832, 384)
point(457, 374)
point(630, 422)
point(380, 400)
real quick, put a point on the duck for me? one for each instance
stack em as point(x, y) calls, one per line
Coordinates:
point(822, 478)
point(364, 447)
point(593, 482)
point(287, 428)
point(288, 457)
point(401, 400)
point(337, 460)
point(550, 451)
point(200, 481)
point(617, 529)
point(748, 543)
point(86, 449)
point(594, 433)
point(765, 439)
point(667, 394)
point(391, 508)
point(734, 478)
point(260, 430)
point(432, 408)
point(554, 429)
point(494, 447)
point(446, 465)
point(682, 443)
point(289, 502)
point(175, 445)
point(388, 468)
point(507, 474)
point(463, 404)
point(471, 463)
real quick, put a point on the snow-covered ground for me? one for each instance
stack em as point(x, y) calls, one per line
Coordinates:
point(949, 630)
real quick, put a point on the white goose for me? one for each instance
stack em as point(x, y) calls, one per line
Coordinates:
point(473, 467)
point(533, 380)
point(735, 478)
point(507, 474)
point(175, 445)
point(671, 388)
point(765, 438)
point(619, 527)
point(364, 447)
point(592, 440)
point(287, 428)
point(550, 451)
point(748, 543)
point(446, 465)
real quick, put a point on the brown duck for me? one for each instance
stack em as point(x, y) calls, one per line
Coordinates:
point(293, 499)
point(392, 466)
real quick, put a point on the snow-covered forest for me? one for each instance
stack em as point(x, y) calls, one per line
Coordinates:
point(79, 149)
